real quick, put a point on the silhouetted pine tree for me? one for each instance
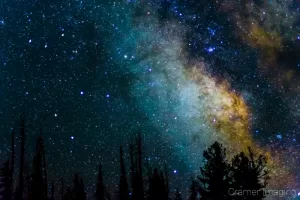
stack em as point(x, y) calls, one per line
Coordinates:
point(167, 180)
point(100, 190)
point(259, 166)
point(136, 168)
point(149, 178)
point(5, 183)
point(157, 186)
point(132, 172)
point(20, 187)
point(140, 181)
point(249, 174)
point(165, 185)
point(37, 177)
point(12, 163)
point(177, 195)
point(82, 194)
point(193, 191)
point(52, 191)
point(154, 185)
point(7, 174)
point(27, 193)
point(44, 166)
point(215, 174)
point(62, 189)
point(68, 194)
point(123, 193)
point(77, 188)
point(107, 194)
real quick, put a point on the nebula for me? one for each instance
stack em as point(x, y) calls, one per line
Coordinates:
point(186, 103)
point(272, 28)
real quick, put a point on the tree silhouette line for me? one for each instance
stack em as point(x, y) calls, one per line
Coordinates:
point(219, 177)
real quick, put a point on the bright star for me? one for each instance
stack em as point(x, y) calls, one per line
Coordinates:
point(279, 136)
point(211, 49)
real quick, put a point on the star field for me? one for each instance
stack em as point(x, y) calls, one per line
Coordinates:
point(185, 73)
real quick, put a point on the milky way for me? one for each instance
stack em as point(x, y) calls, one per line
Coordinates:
point(184, 73)
point(184, 101)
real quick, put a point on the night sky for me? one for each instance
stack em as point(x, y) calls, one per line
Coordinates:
point(92, 73)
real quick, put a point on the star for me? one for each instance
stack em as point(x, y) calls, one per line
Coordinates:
point(211, 49)
point(279, 136)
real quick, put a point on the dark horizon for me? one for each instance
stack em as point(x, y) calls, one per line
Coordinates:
point(218, 178)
